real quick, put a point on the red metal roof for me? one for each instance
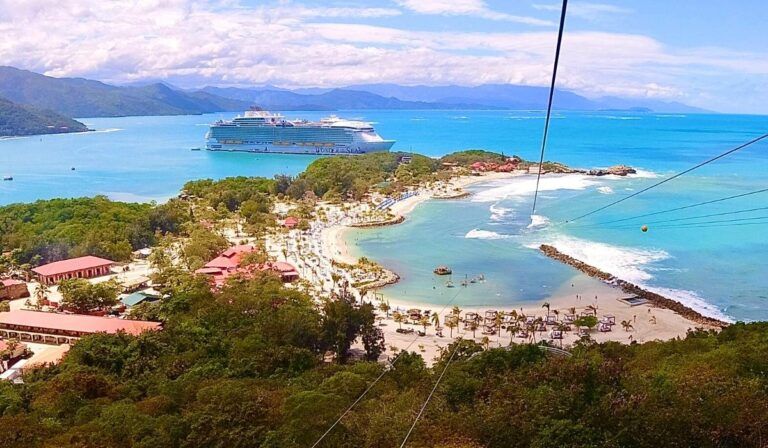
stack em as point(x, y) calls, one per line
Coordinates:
point(72, 265)
point(10, 282)
point(76, 322)
point(230, 258)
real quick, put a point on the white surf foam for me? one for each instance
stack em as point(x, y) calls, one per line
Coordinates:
point(538, 221)
point(626, 263)
point(633, 265)
point(605, 190)
point(643, 174)
point(526, 185)
point(106, 131)
point(484, 235)
point(498, 213)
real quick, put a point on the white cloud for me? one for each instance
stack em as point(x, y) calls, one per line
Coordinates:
point(193, 43)
point(586, 10)
point(476, 8)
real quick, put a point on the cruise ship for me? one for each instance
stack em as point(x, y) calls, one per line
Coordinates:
point(261, 131)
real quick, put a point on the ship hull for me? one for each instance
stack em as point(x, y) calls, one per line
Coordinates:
point(268, 148)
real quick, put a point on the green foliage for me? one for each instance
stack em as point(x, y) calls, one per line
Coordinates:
point(82, 296)
point(353, 176)
point(202, 246)
point(466, 158)
point(51, 230)
point(232, 192)
point(17, 119)
point(586, 321)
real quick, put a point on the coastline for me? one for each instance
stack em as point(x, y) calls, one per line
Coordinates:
point(654, 320)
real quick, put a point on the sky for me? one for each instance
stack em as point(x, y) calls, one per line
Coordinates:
point(707, 53)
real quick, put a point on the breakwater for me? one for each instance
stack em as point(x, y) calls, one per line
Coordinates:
point(631, 288)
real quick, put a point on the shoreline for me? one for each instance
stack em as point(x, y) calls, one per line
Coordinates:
point(654, 320)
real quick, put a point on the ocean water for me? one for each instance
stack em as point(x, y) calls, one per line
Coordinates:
point(718, 268)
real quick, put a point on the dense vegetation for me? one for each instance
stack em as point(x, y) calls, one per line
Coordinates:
point(242, 368)
point(16, 119)
point(51, 230)
point(343, 177)
point(466, 158)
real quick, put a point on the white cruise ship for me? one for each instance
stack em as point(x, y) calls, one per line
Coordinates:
point(260, 131)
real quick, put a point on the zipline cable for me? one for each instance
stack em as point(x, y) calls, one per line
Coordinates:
point(706, 162)
point(716, 221)
point(434, 388)
point(685, 207)
point(381, 375)
point(549, 103)
point(688, 218)
point(715, 225)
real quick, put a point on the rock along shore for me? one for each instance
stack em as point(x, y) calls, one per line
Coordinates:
point(631, 288)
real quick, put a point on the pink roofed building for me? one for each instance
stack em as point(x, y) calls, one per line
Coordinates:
point(55, 328)
point(81, 267)
point(229, 263)
point(12, 289)
point(291, 222)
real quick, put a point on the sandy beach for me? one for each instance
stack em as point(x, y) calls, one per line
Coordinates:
point(646, 322)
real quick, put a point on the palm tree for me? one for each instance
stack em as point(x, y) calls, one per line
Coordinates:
point(486, 342)
point(384, 307)
point(473, 327)
point(592, 309)
point(546, 305)
point(456, 311)
point(513, 329)
point(497, 321)
point(424, 321)
point(627, 325)
point(436, 321)
point(398, 318)
point(452, 322)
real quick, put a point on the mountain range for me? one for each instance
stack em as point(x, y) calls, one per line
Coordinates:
point(78, 97)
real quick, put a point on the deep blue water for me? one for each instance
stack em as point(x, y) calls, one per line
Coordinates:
point(720, 269)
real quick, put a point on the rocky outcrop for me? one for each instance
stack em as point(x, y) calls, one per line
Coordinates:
point(631, 288)
point(387, 278)
point(385, 222)
point(618, 170)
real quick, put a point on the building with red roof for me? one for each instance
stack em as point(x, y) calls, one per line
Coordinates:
point(12, 289)
point(229, 263)
point(81, 267)
point(55, 328)
point(291, 222)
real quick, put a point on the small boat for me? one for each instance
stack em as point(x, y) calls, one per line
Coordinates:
point(464, 283)
point(449, 284)
point(195, 149)
point(72, 169)
point(7, 177)
point(442, 270)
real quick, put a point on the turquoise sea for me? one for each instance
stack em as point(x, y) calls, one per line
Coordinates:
point(716, 267)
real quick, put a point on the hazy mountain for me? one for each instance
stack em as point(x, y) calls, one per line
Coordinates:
point(77, 97)
point(16, 119)
point(612, 102)
point(334, 99)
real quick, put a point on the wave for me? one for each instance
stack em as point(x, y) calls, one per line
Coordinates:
point(670, 116)
point(525, 186)
point(627, 263)
point(499, 213)
point(643, 174)
point(605, 190)
point(538, 221)
point(633, 265)
point(484, 235)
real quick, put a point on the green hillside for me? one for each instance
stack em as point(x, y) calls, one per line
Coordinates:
point(77, 97)
point(16, 120)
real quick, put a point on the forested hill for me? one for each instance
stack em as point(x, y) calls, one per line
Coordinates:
point(77, 97)
point(16, 120)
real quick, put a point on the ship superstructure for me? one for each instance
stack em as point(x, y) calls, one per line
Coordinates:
point(261, 131)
